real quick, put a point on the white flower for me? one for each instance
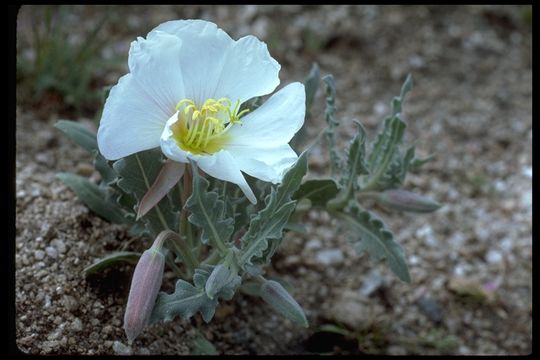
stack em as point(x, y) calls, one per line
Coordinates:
point(186, 83)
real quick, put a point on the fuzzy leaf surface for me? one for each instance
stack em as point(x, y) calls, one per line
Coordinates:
point(269, 222)
point(369, 234)
point(318, 191)
point(207, 210)
point(332, 123)
point(95, 197)
point(188, 299)
point(137, 173)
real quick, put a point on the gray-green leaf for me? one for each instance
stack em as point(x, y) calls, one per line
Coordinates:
point(206, 210)
point(319, 191)
point(187, 299)
point(269, 222)
point(137, 173)
point(95, 197)
point(330, 115)
point(79, 134)
point(369, 234)
point(109, 260)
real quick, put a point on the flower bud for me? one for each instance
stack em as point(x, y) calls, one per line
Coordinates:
point(144, 289)
point(276, 296)
point(407, 201)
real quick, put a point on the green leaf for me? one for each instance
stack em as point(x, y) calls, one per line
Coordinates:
point(269, 222)
point(87, 140)
point(397, 101)
point(319, 191)
point(137, 173)
point(188, 299)
point(296, 227)
point(384, 152)
point(330, 115)
point(95, 197)
point(112, 259)
point(356, 164)
point(79, 134)
point(312, 86)
point(108, 175)
point(369, 234)
point(206, 209)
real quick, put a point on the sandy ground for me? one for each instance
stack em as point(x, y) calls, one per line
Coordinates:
point(471, 106)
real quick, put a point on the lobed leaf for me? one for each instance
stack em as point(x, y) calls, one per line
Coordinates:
point(207, 211)
point(369, 234)
point(137, 173)
point(269, 222)
point(188, 299)
point(356, 164)
point(384, 151)
point(330, 115)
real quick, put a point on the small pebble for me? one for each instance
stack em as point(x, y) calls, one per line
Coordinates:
point(330, 256)
point(39, 255)
point(51, 251)
point(121, 349)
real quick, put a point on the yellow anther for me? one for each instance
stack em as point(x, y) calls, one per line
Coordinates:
point(201, 129)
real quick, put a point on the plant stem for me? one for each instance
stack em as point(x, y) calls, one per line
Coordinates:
point(367, 195)
point(180, 248)
point(185, 226)
point(214, 255)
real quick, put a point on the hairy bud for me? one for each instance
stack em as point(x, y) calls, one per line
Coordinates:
point(144, 289)
point(407, 201)
point(281, 301)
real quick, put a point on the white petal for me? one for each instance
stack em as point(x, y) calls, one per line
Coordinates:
point(131, 121)
point(249, 71)
point(169, 147)
point(142, 101)
point(267, 164)
point(204, 49)
point(154, 63)
point(275, 122)
point(223, 166)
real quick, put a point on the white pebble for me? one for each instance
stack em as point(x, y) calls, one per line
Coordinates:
point(494, 256)
point(51, 251)
point(330, 256)
point(60, 246)
point(77, 325)
point(314, 244)
point(121, 349)
point(39, 255)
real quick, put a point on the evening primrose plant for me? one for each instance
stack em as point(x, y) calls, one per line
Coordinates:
point(193, 158)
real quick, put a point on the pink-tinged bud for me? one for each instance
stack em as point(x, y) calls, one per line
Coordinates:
point(407, 201)
point(144, 290)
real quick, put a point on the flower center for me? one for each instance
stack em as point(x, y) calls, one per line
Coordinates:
point(204, 130)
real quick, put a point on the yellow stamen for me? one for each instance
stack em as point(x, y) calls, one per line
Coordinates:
point(202, 130)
